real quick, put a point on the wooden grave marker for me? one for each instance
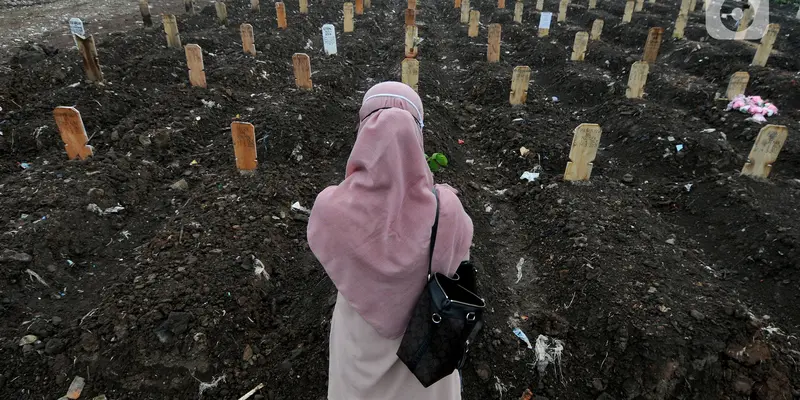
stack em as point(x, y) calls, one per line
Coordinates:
point(692, 6)
point(171, 29)
point(303, 6)
point(73, 133)
point(545, 19)
point(411, 17)
point(680, 26)
point(518, 12)
point(738, 84)
point(329, 39)
point(685, 7)
point(410, 73)
point(579, 46)
point(456, 3)
point(653, 44)
point(626, 18)
point(91, 64)
point(592, 4)
point(222, 12)
point(744, 23)
point(765, 48)
point(188, 6)
point(464, 11)
point(412, 4)
point(144, 9)
point(367, 3)
point(194, 60)
point(359, 7)
point(765, 151)
point(348, 17)
point(493, 51)
point(255, 6)
point(597, 29)
point(474, 22)
point(519, 85)
point(562, 10)
point(302, 71)
point(411, 41)
point(585, 141)
point(539, 5)
point(639, 6)
point(501, 3)
point(280, 15)
point(244, 147)
point(637, 80)
point(248, 40)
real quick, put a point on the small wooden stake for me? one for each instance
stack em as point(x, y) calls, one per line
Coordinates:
point(501, 3)
point(411, 17)
point(592, 4)
point(367, 3)
point(410, 71)
point(653, 44)
point(597, 29)
point(493, 52)
point(680, 26)
point(188, 5)
point(171, 29)
point(737, 84)
point(222, 12)
point(303, 6)
point(519, 85)
point(539, 5)
point(302, 70)
point(280, 13)
point(144, 8)
point(359, 7)
point(692, 6)
point(456, 3)
point(248, 40)
point(244, 146)
point(255, 6)
point(579, 46)
point(765, 151)
point(544, 23)
point(194, 60)
point(73, 134)
point(412, 4)
point(91, 64)
point(637, 80)
point(474, 22)
point(562, 10)
point(585, 141)
point(348, 17)
point(464, 11)
point(626, 18)
point(411, 41)
point(685, 7)
point(765, 48)
point(518, 12)
point(639, 6)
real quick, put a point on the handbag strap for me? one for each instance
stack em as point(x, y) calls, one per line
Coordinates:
point(434, 231)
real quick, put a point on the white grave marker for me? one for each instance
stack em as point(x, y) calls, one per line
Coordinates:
point(76, 27)
point(544, 21)
point(329, 38)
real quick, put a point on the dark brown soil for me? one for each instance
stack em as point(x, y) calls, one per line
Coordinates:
point(666, 276)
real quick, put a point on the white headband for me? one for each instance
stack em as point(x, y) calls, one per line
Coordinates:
point(397, 96)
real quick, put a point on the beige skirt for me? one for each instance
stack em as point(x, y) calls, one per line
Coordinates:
point(364, 365)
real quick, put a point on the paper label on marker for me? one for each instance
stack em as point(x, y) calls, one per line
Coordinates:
point(544, 21)
point(329, 38)
point(76, 27)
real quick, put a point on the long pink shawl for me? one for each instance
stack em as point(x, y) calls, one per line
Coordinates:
point(371, 232)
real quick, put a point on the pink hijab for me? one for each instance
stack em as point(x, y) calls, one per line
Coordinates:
point(371, 233)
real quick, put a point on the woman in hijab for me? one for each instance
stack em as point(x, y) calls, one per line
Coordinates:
point(372, 233)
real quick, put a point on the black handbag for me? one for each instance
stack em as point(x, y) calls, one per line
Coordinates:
point(445, 321)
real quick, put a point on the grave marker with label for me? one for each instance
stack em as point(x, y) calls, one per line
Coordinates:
point(464, 11)
point(579, 46)
point(765, 151)
point(562, 10)
point(585, 141)
point(329, 39)
point(653, 44)
point(348, 17)
point(244, 147)
point(738, 84)
point(411, 42)
point(493, 51)
point(765, 48)
point(171, 29)
point(248, 40)
point(302, 70)
point(544, 23)
point(410, 72)
point(597, 29)
point(73, 133)
point(76, 28)
point(222, 12)
point(194, 60)
point(474, 22)
point(637, 80)
point(518, 12)
point(519, 85)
